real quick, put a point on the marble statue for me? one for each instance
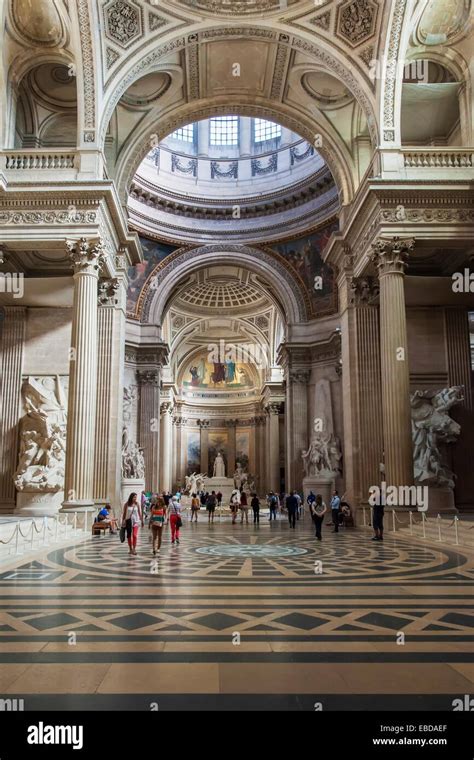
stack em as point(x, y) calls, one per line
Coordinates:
point(432, 428)
point(42, 436)
point(133, 461)
point(240, 476)
point(195, 483)
point(219, 466)
point(323, 456)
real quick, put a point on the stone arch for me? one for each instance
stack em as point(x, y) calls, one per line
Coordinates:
point(286, 291)
point(335, 156)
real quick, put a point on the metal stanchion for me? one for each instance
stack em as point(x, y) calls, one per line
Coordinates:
point(371, 516)
point(456, 520)
point(439, 527)
point(365, 518)
point(75, 522)
point(411, 522)
point(423, 520)
point(32, 532)
point(17, 542)
point(86, 519)
point(394, 527)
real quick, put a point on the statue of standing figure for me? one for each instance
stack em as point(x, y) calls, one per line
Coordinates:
point(219, 466)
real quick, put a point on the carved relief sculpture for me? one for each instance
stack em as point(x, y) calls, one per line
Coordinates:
point(432, 429)
point(133, 461)
point(42, 436)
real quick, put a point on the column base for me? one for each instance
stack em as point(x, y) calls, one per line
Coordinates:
point(38, 503)
point(441, 501)
point(132, 486)
point(319, 485)
point(79, 505)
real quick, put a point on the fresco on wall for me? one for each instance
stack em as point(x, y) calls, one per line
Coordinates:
point(154, 253)
point(229, 375)
point(194, 452)
point(242, 448)
point(304, 256)
point(217, 442)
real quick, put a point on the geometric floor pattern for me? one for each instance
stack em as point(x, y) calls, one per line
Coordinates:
point(240, 615)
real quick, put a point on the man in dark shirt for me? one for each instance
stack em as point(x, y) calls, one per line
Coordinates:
point(255, 504)
point(292, 507)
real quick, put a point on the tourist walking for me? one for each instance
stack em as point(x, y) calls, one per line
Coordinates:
point(272, 501)
point(310, 499)
point(335, 506)
point(132, 516)
point(234, 504)
point(244, 507)
point(175, 519)
point(195, 506)
point(318, 509)
point(377, 519)
point(211, 506)
point(299, 502)
point(255, 504)
point(292, 507)
point(157, 521)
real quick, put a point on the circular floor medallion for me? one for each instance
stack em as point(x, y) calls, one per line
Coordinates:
point(251, 550)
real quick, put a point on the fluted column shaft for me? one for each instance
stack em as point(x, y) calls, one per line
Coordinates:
point(204, 426)
point(12, 338)
point(273, 411)
point(231, 426)
point(82, 376)
point(390, 257)
point(110, 369)
point(296, 425)
point(149, 425)
point(165, 445)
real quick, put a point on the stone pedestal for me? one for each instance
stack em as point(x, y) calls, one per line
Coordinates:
point(38, 503)
point(132, 486)
point(441, 500)
point(318, 485)
point(224, 485)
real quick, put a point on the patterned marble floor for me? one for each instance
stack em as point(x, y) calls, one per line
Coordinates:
point(240, 617)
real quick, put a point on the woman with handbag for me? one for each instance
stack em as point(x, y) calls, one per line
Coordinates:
point(157, 521)
point(175, 519)
point(132, 516)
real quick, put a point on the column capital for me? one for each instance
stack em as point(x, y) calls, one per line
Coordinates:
point(86, 256)
point(203, 423)
point(166, 407)
point(148, 376)
point(299, 376)
point(391, 256)
point(364, 290)
point(273, 407)
point(180, 421)
point(107, 291)
point(231, 423)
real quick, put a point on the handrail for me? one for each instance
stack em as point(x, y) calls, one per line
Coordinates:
point(44, 529)
point(438, 521)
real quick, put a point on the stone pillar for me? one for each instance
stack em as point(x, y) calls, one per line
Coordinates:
point(204, 443)
point(166, 409)
point(296, 424)
point(273, 411)
point(179, 424)
point(390, 257)
point(110, 357)
point(12, 338)
point(252, 446)
point(231, 425)
point(262, 460)
point(149, 425)
point(81, 418)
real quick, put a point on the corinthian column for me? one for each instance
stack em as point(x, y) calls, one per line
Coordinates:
point(273, 432)
point(166, 409)
point(149, 429)
point(86, 259)
point(390, 257)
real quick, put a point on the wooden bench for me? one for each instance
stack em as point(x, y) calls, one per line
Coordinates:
point(100, 527)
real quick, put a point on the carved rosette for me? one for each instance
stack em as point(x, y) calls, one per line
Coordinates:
point(391, 256)
point(86, 258)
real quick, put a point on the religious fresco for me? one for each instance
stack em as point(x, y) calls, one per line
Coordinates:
point(242, 448)
point(194, 452)
point(154, 253)
point(304, 256)
point(218, 441)
point(229, 375)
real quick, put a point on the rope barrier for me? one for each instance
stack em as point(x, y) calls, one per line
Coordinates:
point(12, 537)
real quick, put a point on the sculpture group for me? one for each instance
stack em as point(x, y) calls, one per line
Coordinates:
point(133, 461)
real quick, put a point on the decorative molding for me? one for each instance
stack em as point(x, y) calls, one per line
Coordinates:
point(258, 169)
point(367, 55)
point(192, 68)
point(156, 22)
point(280, 68)
point(88, 68)
point(111, 57)
point(390, 74)
point(323, 21)
point(231, 173)
point(177, 166)
point(47, 217)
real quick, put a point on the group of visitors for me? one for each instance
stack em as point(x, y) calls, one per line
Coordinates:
point(340, 511)
point(162, 509)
